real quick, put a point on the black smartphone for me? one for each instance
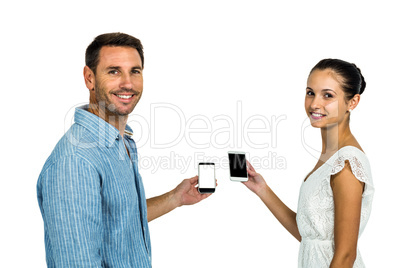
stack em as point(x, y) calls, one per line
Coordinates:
point(238, 166)
point(206, 177)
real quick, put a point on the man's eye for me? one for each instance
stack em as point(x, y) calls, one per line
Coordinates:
point(113, 72)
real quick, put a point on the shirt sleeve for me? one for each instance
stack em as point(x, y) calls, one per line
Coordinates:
point(70, 200)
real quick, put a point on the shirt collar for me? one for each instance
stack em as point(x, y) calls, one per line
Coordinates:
point(102, 130)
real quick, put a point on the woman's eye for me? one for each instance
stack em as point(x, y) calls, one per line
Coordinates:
point(310, 93)
point(327, 95)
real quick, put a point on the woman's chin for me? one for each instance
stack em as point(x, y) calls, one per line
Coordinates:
point(319, 123)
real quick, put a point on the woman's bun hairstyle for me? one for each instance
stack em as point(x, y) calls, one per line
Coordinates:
point(351, 78)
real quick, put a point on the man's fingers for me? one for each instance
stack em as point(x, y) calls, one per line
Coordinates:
point(203, 196)
point(194, 180)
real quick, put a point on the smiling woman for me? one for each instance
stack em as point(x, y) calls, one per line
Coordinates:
point(338, 86)
point(335, 198)
point(325, 100)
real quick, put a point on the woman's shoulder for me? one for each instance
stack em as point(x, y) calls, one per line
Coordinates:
point(352, 150)
point(354, 158)
point(352, 154)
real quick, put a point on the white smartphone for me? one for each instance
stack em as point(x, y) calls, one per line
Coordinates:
point(238, 166)
point(206, 177)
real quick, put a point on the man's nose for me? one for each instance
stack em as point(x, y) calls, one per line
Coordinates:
point(126, 82)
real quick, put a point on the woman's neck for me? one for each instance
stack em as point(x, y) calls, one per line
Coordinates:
point(335, 137)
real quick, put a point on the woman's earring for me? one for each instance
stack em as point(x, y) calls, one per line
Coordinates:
point(350, 110)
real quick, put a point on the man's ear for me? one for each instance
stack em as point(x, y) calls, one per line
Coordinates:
point(89, 78)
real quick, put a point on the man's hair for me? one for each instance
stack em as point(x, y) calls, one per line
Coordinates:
point(114, 40)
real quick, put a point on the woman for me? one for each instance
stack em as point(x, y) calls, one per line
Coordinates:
point(335, 197)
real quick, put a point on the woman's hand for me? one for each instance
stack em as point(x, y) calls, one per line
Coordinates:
point(256, 182)
point(285, 216)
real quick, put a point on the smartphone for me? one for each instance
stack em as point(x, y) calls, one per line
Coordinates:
point(206, 177)
point(238, 166)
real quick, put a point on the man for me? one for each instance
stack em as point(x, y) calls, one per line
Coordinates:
point(90, 191)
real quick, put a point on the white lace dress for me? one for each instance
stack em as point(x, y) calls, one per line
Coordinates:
point(315, 212)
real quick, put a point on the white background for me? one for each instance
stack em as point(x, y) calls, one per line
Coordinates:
point(205, 58)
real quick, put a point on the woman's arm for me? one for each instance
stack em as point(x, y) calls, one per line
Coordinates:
point(347, 192)
point(283, 214)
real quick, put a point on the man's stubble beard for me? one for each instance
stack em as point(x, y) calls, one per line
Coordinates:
point(106, 106)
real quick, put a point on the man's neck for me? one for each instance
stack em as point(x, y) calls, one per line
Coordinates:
point(118, 121)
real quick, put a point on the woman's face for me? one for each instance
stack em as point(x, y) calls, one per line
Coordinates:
point(325, 100)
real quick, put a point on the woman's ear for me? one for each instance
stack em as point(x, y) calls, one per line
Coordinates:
point(89, 78)
point(354, 102)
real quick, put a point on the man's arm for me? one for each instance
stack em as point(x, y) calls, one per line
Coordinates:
point(186, 193)
point(70, 202)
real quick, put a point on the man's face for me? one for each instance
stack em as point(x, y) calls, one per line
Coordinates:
point(118, 80)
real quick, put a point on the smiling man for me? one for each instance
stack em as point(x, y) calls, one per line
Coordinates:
point(90, 192)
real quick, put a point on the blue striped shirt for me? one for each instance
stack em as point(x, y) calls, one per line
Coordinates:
point(92, 199)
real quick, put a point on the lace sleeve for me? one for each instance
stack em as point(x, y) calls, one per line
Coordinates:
point(355, 165)
point(360, 169)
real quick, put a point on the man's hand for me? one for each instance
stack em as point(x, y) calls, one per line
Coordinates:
point(186, 193)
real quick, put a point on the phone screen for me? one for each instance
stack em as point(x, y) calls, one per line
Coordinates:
point(206, 177)
point(238, 165)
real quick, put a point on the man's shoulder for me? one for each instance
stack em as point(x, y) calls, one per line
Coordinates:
point(77, 143)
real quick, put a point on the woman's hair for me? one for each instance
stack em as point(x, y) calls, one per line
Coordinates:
point(349, 75)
